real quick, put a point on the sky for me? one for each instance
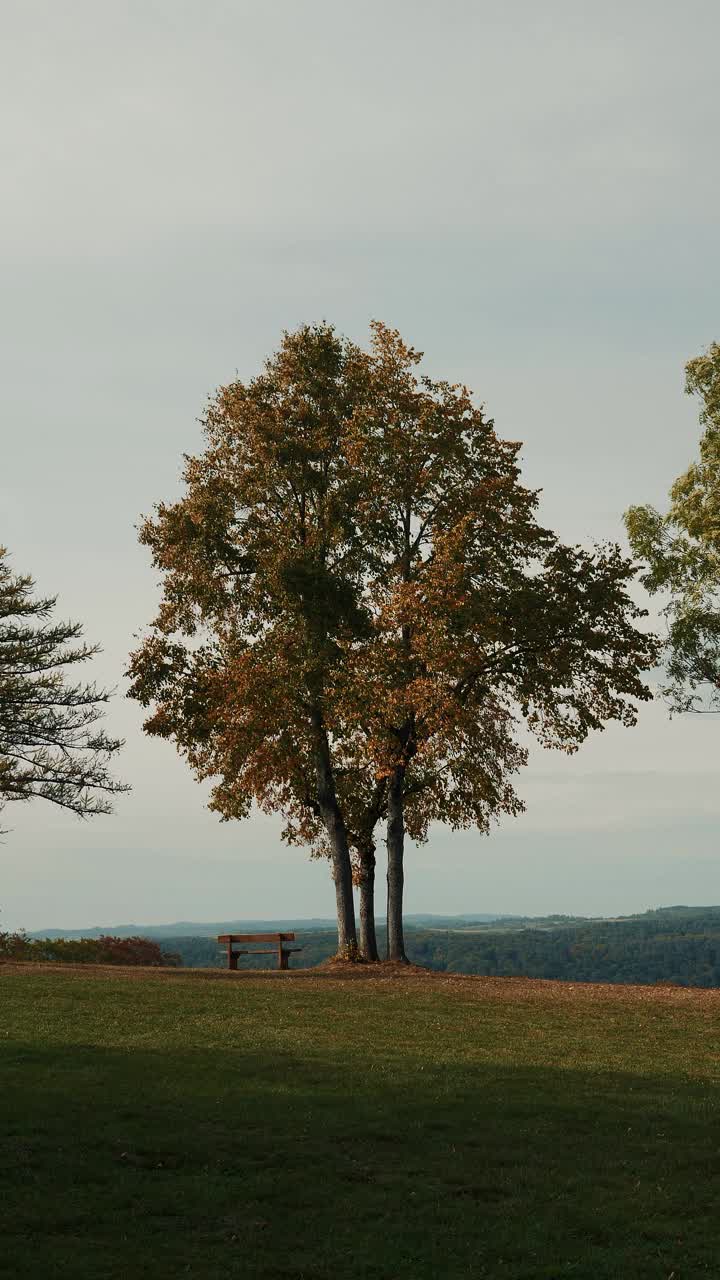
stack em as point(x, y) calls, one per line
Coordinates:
point(528, 192)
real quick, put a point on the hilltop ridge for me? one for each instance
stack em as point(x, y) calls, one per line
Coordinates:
point(416, 920)
point(209, 929)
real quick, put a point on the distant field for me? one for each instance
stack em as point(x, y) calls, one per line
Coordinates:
point(316, 1127)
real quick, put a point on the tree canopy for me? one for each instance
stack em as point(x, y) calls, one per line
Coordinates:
point(359, 608)
point(51, 747)
point(262, 566)
point(481, 617)
point(681, 551)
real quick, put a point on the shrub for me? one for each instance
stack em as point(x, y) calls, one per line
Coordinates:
point(15, 946)
point(103, 950)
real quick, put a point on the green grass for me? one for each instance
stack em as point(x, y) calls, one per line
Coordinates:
point(316, 1129)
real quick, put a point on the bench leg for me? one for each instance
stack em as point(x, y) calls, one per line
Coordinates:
point(283, 958)
point(232, 957)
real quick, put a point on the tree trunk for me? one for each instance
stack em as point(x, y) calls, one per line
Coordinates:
point(337, 835)
point(395, 875)
point(368, 940)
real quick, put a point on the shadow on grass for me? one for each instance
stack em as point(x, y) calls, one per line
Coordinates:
point(215, 1163)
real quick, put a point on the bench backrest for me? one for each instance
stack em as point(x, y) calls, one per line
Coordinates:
point(256, 937)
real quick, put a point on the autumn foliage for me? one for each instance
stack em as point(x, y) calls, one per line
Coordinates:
point(103, 950)
point(360, 610)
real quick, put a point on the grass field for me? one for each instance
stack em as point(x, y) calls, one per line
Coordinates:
point(319, 1127)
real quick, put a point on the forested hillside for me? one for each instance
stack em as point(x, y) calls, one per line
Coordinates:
point(675, 944)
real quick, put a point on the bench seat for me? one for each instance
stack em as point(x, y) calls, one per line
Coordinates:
point(279, 949)
point(265, 951)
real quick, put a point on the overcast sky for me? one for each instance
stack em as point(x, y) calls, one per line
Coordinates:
point(529, 192)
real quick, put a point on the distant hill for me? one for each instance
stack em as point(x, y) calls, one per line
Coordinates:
point(210, 929)
point(672, 945)
point(678, 944)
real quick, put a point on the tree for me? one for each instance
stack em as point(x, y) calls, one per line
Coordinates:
point(359, 607)
point(362, 797)
point(262, 568)
point(480, 617)
point(681, 550)
point(50, 746)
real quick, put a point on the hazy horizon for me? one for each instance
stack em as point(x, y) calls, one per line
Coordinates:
point(528, 193)
point(317, 922)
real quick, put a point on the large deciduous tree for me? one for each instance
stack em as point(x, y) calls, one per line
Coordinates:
point(50, 745)
point(681, 551)
point(480, 616)
point(262, 565)
point(359, 607)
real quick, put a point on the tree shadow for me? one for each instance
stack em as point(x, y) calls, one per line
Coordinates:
point(237, 1161)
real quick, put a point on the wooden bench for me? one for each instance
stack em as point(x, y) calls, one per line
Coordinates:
point(282, 952)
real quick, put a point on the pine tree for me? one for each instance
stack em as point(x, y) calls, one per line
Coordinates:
point(50, 745)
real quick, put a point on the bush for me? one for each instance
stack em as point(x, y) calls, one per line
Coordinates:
point(103, 950)
point(15, 946)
